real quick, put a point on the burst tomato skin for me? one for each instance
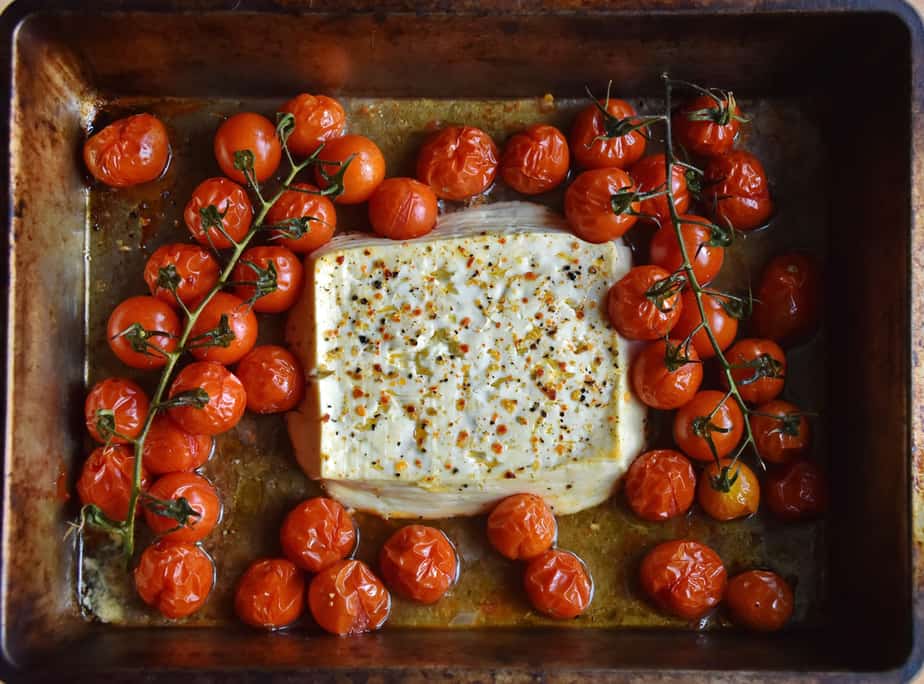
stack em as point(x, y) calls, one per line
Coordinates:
point(740, 501)
point(796, 491)
point(270, 594)
point(592, 150)
point(174, 577)
point(292, 205)
point(658, 386)
point(317, 533)
point(168, 448)
point(289, 278)
point(764, 388)
point(660, 485)
point(788, 299)
point(226, 403)
point(707, 259)
point(558, 584)
point(724, 326)
point(233, 206)
point(365, 173)
point(705, 138)
point(126, 400)
point(241, 320)
point(774, 443)
point(347, 598)
point(106, 480)
point(458, 162)
point(419, 563)
point(152, 315)
point(521, 527)
point(759, 600)
point(536, 160)
point(736, 185)
point(318, 118)
point(201, 496)
point(637, 316)
point(273, 379)
point(588, 207)
point(402, 209)
point(684, 578)
point(248, 131)
point(196, 268)
point(650, 175)
point(128, 152)
point(727, 417)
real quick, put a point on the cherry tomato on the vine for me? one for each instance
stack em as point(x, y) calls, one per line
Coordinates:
point(650, 175)
point(128, 152)
point(707, 125)
point(728, 490)
point(140, 330)
point(168, 448)
point(762, 370)
point(115, 410)
point(788, 299)
point(706, 258)
point(759, 600)
point(536, 160)
point(270, 594)
point(106, 480)
point(223, 394)
point(458, 162)
point(522, 526)
point(735, 188)
point(293, 204)
point(796, 491)
point(402, 209)
point(211, 340)
point(724, 326)
point(174, 577)
point(318, 118)
point(248, 131)
point(593, 213)
point(419, 563)
point(317, 533)
point(273, 378)
point(665, 386)
point(218, 209)
point(189, 270)
point(783, 438)
point(201, 497)
point(364, 174)
point(693, 422)
point(660, 485)
point(684, 578)
point(558, 584)
point(644, 304)
point(254, 267)
point(347, 598)
point(599, 141)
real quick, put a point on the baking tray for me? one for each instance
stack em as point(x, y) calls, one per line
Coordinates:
point(856, 67)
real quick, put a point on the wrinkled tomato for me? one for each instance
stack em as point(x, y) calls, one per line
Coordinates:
point(168, 448)
point(593, 213)
point(759, 369)
point(660, 485)
point(638, 309)
point(141, 331)
point(318, 118)
point(402, 209)
point(174, 577)
point(683, 578)
point(662, 386)
point(522, 526)
point(225, 330)
point(558, 584)
point(759, 600)
point(788, 300)
point(106, 480)
point(598, 140)
point(223, 394)
point(287, 275)
point(347, 598)
point(273, 379)
point(735, 188)
point(707, 259)
point(796, 491)
point(270, 594)
point(115, 410)
point(201, 497)
point(419, 563)
point(707, 125)
point(317, 533)
point(781, 432)
point(536, 160)
point(188, 270)
point(650, 175)
point(128, 152)
point(724, 325)
point(458, 162)
point(219, 209)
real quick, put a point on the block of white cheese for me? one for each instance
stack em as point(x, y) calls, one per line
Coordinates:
point(448, 372)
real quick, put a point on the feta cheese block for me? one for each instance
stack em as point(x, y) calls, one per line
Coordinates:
point(448, 372)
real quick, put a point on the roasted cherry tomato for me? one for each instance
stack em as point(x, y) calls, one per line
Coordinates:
point(273, 379)
point(788, 300)
point(558, 584)
point(761, 370)
point(735, 187)
point(796, 491)
point(225, 342)
point(728, 491)
point(684, 578)
point(707, 125)
point(644, 304)
point(402, 208)
point(536, 160)
point(601, 141)
point(522, 526)
point(270, 594)
point(781, 439)
point(106, 480)
point(318, 118)
point(317, 533)
point(650, 175)
point(201, 497)
point(294, 205)
point(128, 151)
point(188, 270)
point(660, 485)
point(759, 600)
point(724, 326)
point(364, 174)
point(666, 386)
point(458, 162)
point(140, 330)
point(254, 267)
point(593, 213)
point(222, 409)
point(217, 210)
point(248, 131)
point(693, 421)
point(174, 577)
point(706, 259)
point(115, 410)
point(419, 563)
point(347, 598)
point(168, 448)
